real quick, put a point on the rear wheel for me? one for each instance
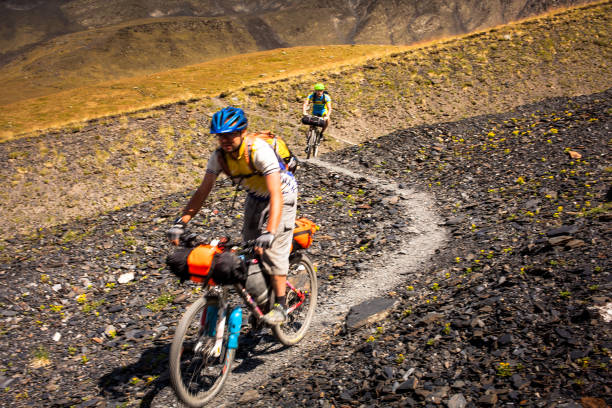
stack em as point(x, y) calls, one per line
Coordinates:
point(198, 375)
point(301, 300)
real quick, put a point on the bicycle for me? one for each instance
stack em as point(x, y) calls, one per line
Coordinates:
point(313, 134)
point(206, 338)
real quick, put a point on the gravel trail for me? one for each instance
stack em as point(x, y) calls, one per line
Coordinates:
point(377, 278)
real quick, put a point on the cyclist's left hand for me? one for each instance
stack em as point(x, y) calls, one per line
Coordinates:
point(264, 241)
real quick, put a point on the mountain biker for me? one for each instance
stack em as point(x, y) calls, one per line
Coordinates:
point(321, 104)
point(272, 196)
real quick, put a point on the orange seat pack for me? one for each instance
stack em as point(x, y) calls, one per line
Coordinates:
point(303, 233)
point(200, 260)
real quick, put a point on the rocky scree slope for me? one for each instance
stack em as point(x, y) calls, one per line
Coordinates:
point(87, 309)
point(509, 312)
point(516, 309)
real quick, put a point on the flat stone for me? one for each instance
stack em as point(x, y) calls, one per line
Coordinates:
point(532, 204)
point(559, 240)
point(591, 402)
point(126, 277)
point(408, 385)
point(8, 313)
point(563, 230)
point(457, 401)
point(249, 396)
point(488, 399)
point(574, 243)
point(455, 220)
point(518, 381)
point(181, 298)
point(505, 339)
point(5, 382)
point(430, 318)
point(369, 312)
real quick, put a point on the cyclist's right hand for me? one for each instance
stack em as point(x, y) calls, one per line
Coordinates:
point(175, 232)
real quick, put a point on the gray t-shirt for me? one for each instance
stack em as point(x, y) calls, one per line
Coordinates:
point(264, 160)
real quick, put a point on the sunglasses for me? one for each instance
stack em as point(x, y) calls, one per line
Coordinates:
point(230, 135)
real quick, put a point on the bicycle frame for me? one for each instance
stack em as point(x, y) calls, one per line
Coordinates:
point(250, 302)
point(299, 294)
point(313, 139)
point(207, 336)
point(214, 317)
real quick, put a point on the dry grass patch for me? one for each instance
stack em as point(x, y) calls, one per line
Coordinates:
point(182, 84)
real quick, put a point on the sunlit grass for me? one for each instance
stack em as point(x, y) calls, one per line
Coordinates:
point(195, 81)
point(53, 109)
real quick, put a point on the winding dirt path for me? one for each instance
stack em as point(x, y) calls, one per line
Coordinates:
point(379, 277)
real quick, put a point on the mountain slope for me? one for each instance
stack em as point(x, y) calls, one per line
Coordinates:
point(123, 160)
point(506, 313)
point(508, 131)
point(59, 44)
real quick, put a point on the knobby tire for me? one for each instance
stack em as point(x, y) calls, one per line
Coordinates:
point(316, 143)
point(311, 143)
point(197, 379)
point(303, 277)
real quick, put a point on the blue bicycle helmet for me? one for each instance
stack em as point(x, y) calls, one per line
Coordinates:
point(228, 120)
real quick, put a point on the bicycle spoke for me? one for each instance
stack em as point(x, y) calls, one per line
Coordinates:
point(301, 302)
point(197, 375)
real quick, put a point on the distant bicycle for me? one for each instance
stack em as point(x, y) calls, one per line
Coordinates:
point(206, 338)
point(313, 134)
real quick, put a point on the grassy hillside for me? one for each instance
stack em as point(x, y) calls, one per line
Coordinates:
point(127, 50)
point(105, 42)
point(196, 81)
point(88, 168)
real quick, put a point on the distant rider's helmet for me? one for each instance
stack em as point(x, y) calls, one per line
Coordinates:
point(228, 120)
point(319, 87)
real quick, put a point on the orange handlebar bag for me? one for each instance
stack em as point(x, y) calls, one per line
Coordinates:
point(200, 260)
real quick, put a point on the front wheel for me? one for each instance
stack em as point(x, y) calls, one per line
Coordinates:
point(301, 300)
point(197, 373)
point(311, 143)
point(315, 148)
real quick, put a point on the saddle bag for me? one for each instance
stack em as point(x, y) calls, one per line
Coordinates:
point(303, 233)
point(228, 269)
point(200, 261)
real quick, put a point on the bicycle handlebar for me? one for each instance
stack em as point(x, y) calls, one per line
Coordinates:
point(308, 119)
point(191, 239)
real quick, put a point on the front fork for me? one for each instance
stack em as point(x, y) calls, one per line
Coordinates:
point(213, 320)
point(235, 323)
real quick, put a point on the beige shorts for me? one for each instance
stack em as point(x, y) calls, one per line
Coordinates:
point(275, 259)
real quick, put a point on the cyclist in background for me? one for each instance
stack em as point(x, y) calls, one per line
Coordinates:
point(272, 196)
point(321, 104)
